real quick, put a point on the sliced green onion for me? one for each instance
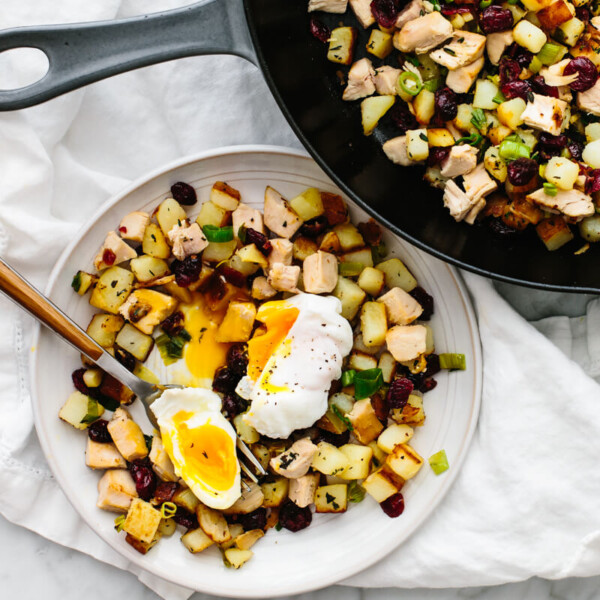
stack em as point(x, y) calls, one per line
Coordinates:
point(495, 79)
point(356, 492)
point(550, 189)
point(218, 234)
point(168, 510)
point(94, 412)
point(350, 269)
point(76, 283)
point(410, 89)
point(378, 252)
point(366, 383)
point(413, 60)
point(242, 234)
point(549, 53)
point(485, 3)
point(472, 139)
point(348, 377)
point(148, 440)
point(433, 84)
point(499, 98)
point(511, 150)
point(535, 66)
point(171, 348)
point(478, 119)
point(342, 417)
point(453, 361)
point(439, 462)
point(119, 522)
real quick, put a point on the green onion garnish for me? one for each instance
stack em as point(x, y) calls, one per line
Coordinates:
point(119, 522)
point(478, 119)
point(549, 53)
point(348, 377)
point(453, 361)
point(499, 98)
point(411, 89)
point(366, 383)
point(535, 66)
point(472, 139)
point(413, 60)
point(218, 234)
point(550, 189)
point(168, 510)
point(93, 412)
point(439, 462)
point(76, 283)
point(350, 269)
point(171, 348)
point(242, 234)
point(356, 492)
point(485, 3)
point(511, 150)
point(378, 252)
point(343, 418)
point(433, 84)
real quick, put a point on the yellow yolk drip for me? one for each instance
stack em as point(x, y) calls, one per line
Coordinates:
point(203, 354)
point(208, 451)
point(278, 318)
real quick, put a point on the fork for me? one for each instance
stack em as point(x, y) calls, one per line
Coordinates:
point(20, 291)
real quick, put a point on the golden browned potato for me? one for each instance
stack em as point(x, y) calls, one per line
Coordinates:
point(554, 232)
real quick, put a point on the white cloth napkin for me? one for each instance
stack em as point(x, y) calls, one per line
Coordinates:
point(527, 500)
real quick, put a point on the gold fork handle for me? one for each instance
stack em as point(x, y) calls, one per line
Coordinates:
point(36, 304)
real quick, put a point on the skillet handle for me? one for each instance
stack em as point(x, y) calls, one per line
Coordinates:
point(87, 52)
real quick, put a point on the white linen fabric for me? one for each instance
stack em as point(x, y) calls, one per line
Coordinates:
point(527, 500)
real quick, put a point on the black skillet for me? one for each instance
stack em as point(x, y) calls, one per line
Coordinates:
point(273, 34)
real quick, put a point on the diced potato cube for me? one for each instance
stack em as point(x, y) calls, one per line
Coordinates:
point(417, 144)
point(341, 45)
point(103, 456)
point(224, 196)
point(412, 413)
point(535, 5)
point(235, 529)
point(365, 424)
point(359, 361)
point(92, 378)
point(424, 105)
point(380, 43)
point(591, 154)
point(103, 329)
point(485, 92)
point(308, 205)
point(330, 243)
point(161, 462)
point(127, 435)
point(82, 282)
point(562, 172)
point(349, 236)
point(142, 520)
point(329, 460)
point(510, 112)
point(373, 323)
point(589, 228)
point(245, 268)
point(141, 547)
point(116, 490)
point(529, 36)
point(304, 247)
point(238, 323)
point(362, 256)
point(169, 214)
point(440, 137)
point(570, 31)
point(275, 492)
point(245, 541)
point(382, 483)
point(359, 458)
point(211, 214)
point(554, 232)
point(216, 252)
point(147, 308)
point(167, 528)
point(371, 280)
point(463, 118)
point(78, 408)
point(397, 275)
point(350, 295)
point(554, 15)
point(213, 524)
point(246, 432)
point(135, 342)
point(394, 435)
point(185, 498)
point(155, 243)
point(331, 498)
point(236, 557)
point(494, 164)
point(113, 287)
point(372, 109)
point(388, 366)
point(148, 268)
point(592, 132)
point(404, 461)
point(379, 455)
point(195, 540)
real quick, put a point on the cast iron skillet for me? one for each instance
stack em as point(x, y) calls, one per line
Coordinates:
point(273, 34)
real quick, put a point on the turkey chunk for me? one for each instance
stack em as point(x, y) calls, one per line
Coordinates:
point(320, 273)
point(295, 461)
point(406, 342)
point(396, 150)
point(362, 11)
point(546, 114)
point(457, 202)
point(249, 217)
point(103, 456)
point(385, 80)
point(116, 490)
point(461, 160)
point(401, 308)
point(553, 75)
point(127, 435)
point(113, 252)
point(284, 278)
point(330, 6)
point(133, 225)
point(281, 252)
point(423, 33)
point(262, 289)
point(478, 183)
point(411, 11)
point(279, 217)
point(590, 99)
point(460, 80)
point(497, 43)
point(161, 462)
point(464, 48)
point(572, 203)
point(360, 80)
point(187, 240)
point(302, 490)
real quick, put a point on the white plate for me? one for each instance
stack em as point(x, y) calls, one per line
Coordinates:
point(334, 546)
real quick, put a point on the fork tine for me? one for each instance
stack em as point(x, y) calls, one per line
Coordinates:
point(246, 485)
point(251, 458)
point(248, 472)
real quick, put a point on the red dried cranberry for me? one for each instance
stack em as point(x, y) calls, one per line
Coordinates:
point(539, 86)
point(592, 182)
point(402, 117)
point(425, 300)
point(98, 432)
point(165, 491)
point(232, 405)
point(427, 385)
point(260, 240)
point(501, 229)
point(417, 379)
point(257, 519)
point(446, 104)
point(433, 364)
point(294, 518)
point(225, 380)
point(394, 506)
point(77, 378)
point(237, 358)
point(587, 73)
point(399, 391)
point(185, 519)
point(551, 145)
point(187, 271)
point(576, 149)
point(582, 13)
point(508, 70)
point(232, 276)
point(495, 18)
point(336, 439)
point(522, 171)
point(184, 193)
point(319, 30)
point(385, 12)
point(173, 324)
point(520, 54)
point(123, 229)
point(448, 11)
point(144, 478)
point(371, 232)
point(314, 227)
point(125, 358)
point(517, 88)
point(109, 257)
point(437, 155)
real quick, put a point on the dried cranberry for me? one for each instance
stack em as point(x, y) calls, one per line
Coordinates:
point(402, 117)
point(237, 358)
point(371, 232)
point(257, 519)
point(437, 155)
point(225, 380)
point(125, 358)
point(319, 30)
point(522, 171)
point(144, 478)
point(184, 193)
point(123, 229)
point(433, 364)
point(293, 517)
point(448, 11)
point(551, 145)
point(399, 391)
point(260, 240)
point(582, 13)
point(232, 405)
point(417, 379)
point(587, 73)
point(426, 302)
point(428, 385)
point(539, 86)
point(501, 229)
point(173, 324)
point(109, 257)
point(446, 104)
point(592, 182)
point(508, 70)
point(314, 227)
point(80, 386)
point(165, 491)
point(521, 55)
point(185, 518)
point(336, 439)
point(385, 12)
point(576, 149)
point(187, 271)
point(517, 88)
point(98, 432)
point(495, 18)
point(394, 506)
point(232, 276)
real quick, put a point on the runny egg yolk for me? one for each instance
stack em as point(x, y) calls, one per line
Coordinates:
point(203, 354)
point(278, 317)
point(208, 451)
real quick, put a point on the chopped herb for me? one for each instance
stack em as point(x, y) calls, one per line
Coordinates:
point(338, 413)
point(423, 137)
point(413, 60)
point(148, 440)
point(278, 527)
point(449, 51)
point(550, 189)
point(356, 492)
point(478, 119)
